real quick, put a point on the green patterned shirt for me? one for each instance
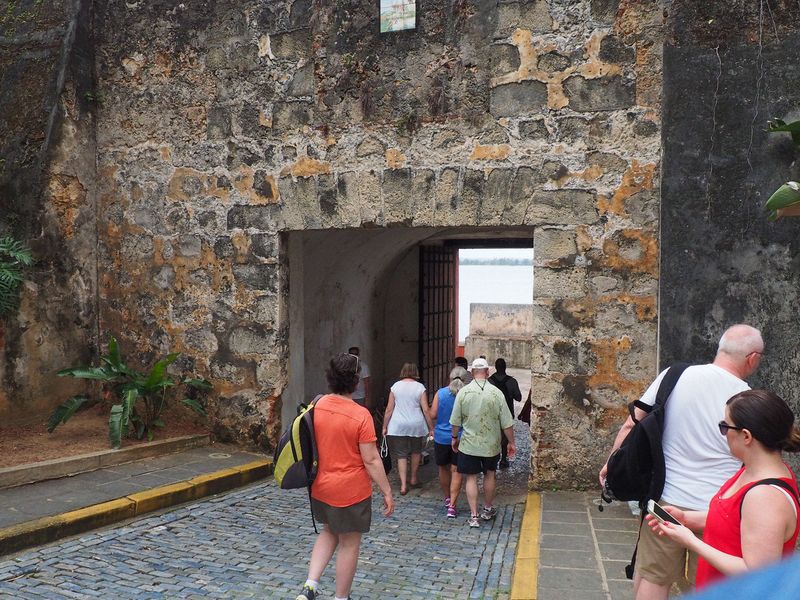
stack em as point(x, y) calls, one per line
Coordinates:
point(481, 411)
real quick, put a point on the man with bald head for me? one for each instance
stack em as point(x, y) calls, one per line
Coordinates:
point(696, 456)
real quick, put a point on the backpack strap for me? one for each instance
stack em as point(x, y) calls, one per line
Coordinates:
point(665, 388)
point(770, 481)
point(668, 383)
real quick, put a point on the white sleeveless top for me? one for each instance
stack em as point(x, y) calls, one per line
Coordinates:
point(407, 418)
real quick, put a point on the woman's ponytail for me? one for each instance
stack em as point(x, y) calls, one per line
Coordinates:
point(792, 442)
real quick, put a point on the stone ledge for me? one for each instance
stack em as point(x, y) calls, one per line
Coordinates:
point(63, 467)
point(48, 529)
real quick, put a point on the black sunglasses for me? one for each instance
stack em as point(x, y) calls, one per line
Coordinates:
point(724, 427)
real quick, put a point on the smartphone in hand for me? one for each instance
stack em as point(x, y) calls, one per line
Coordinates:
point(655, 509)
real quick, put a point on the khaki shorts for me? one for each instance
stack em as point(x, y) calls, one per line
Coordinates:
point(661, 561)
point(403, 446)
point(355, 518)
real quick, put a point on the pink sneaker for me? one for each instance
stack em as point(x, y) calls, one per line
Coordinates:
point(451, 512)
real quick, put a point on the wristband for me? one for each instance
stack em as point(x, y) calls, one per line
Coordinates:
point(455, 437)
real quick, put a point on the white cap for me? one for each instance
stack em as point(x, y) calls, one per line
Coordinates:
point(480, 363)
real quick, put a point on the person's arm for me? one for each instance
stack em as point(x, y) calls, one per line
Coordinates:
point(387, 415)
point(435, 406)
point(766, 517)
point(423, 405)
point(455, 423)
point(515, 391)
point(374, 465)
point(512, 447)
point(367, 396)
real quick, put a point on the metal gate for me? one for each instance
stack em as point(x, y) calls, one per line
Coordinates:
point(438, 288)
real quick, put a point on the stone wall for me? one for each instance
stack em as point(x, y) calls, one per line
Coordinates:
point(723, 262)
point(501, 331)
point(47, 159)
point(224, 124)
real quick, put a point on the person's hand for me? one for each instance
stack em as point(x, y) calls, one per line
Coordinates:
point(512, 449)
point(383, 431)
point(430, 434)
point(677, 533)
point(454, 444)
point(388, 504)
point(603, 475)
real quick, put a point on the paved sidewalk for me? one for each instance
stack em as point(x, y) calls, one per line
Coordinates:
point(583, 552)
point(46, 498)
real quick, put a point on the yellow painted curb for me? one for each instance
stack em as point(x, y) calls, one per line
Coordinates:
point(162, 497)
point(526, 564)
point(48, 529)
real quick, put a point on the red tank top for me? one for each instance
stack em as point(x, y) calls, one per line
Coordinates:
point(723, 526)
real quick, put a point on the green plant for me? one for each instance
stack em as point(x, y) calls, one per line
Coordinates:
point(789, 193)
point(14, 255)
point(140, 397)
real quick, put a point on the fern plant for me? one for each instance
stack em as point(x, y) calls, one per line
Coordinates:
point(14, 256)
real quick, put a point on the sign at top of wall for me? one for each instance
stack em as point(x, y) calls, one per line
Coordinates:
point(397, 15)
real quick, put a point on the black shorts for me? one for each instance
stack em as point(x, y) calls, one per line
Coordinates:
point(472, 465)
point(444, 454)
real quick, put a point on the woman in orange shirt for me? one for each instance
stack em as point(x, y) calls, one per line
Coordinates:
point(341, 496)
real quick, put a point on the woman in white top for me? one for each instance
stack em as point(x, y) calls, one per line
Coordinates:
point(406, 423)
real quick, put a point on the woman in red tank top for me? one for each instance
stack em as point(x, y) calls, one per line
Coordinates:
point(754, 519)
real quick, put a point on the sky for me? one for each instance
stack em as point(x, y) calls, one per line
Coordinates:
point(485, 253)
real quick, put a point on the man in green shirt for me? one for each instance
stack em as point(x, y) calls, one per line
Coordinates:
point(480, 410)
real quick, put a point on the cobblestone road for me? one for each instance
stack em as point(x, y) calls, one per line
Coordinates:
point(255, 543)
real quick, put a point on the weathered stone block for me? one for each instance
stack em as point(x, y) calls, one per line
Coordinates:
point(201, 340)
point(553, 62)
point(262, 277)
point(554, 244)
point(264, 245)
point(300, 201)
point(371, 146)
point(567, 207)
point(514, 99)
point(497, 201)
point(602, 284)
point(253, 217)
point(395, 189)
point(559, 283)
point(188, 245)
point(303, 82)
point(613, 50)
point(289, 116)
point(534, 16)
point(219, 123)
point(423, 184)
point(293, 45)
point(245, 341)
point(534, 130)
point(446, 195)
point(604, 11)
point(610, 163)
point(605, 93)
point(503, 58)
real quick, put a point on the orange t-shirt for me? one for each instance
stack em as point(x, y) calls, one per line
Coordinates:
point(340, 425)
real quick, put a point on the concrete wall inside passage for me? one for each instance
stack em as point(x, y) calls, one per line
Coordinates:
point(722, 262)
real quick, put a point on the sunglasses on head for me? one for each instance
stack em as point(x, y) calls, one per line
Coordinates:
point(356, 357)
point(724, 427)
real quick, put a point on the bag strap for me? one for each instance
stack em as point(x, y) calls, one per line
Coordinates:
point(311, 405)
point(630, 568)
point(770, 481)
point(668, 383)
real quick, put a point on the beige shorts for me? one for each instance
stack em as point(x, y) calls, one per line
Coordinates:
point(661, 561)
